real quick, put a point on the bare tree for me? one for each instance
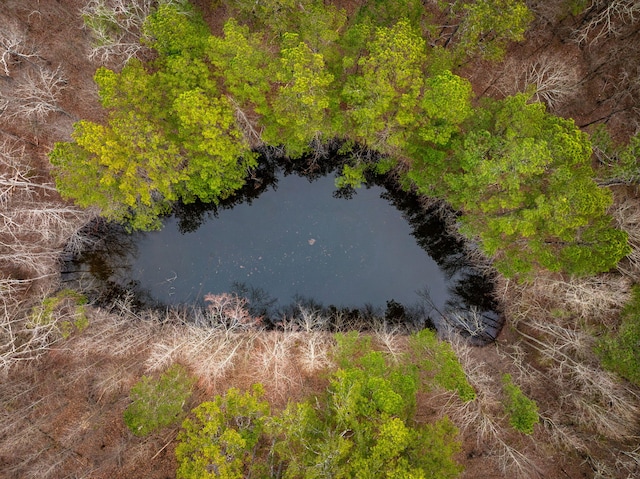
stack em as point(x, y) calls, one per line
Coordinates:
point(548, 77)
point(627, 215)
point(228, 311)
point(554, 79)
point(484, 415)
point(605, 18)
point(274, 361)
point(314, 340)
point(14, 46)
point(34, 227)
point(116, 26)
point(15, 176)
point(36, 94)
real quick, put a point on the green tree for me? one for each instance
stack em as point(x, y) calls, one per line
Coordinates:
point(221, 436)
point(383, 96)
point(169, 134)
point(523, 180)
point(219, 156)
point(321, 26)
point(157, 403)
point(438, 364)
point(365, 428)
point(445, 105)
point(128, 166)
point(487, 26)
point(620, 350)
point(619, 163)
point(302, 104)
point(243, 64)
point(386, 15)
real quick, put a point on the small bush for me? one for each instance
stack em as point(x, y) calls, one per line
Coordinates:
point(437, 359)
point(157, 403)
point(66, 310)
point(522, 411)
point(620, 352)
point(350, 347)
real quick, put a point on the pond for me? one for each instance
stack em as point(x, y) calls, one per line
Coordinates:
point(289, 239)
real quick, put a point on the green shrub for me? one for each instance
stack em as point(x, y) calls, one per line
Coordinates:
point(363, 425)
point(67, 309)
point(620, 352)
point(350, 347)
point(157, 403)
point(439, 363)
point(522, 411)
point(221, 438)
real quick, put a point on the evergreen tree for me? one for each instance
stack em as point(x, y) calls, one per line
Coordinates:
point(523, 180)
point(170, 135)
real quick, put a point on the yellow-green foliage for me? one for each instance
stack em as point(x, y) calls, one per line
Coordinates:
point(437, 362)
point(221, 436)
point(66, 310)
point(363, 425)
point(522, 411)
point(489, 25)
point(169, 134)
point(350, 347)
point(294, 74)
point(157, 403)
point(524, 181)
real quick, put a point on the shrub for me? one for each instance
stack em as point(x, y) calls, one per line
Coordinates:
point(439, 361)
point(221, 438)
point(620, 352)
point(522, 411)
point(157, 403)
point(66, 311)
point(365, 427)
point(350, 347)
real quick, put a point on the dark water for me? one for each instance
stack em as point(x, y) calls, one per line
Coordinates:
point(293, 239)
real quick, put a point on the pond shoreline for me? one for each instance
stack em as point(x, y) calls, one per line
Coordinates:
point(470, 289)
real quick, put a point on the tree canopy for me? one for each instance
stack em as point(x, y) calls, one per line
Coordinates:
point(363, 426)
point(186, 125)
point(524, 182)
point(168, 136)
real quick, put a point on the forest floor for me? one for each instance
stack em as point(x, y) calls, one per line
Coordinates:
point(62, 413)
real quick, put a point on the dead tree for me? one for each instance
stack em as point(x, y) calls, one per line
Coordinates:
point(34, 227)
point(116, 26)
point(606, 18)
point(14, 47)
point(36, 94)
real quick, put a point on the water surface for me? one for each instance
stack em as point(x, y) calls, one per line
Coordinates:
point(296, 240)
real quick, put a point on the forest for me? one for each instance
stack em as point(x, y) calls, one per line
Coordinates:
point(519, 119)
